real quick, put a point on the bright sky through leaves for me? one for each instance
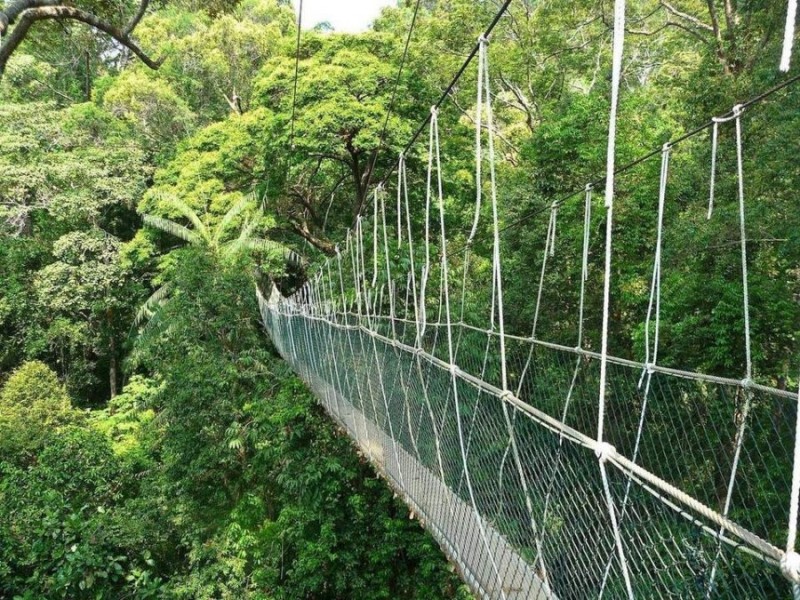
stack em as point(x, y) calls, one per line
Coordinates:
point(346, 16)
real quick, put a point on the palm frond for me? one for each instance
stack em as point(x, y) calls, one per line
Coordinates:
point(149, 307)
point(232, 213)
point(188, 212)
point(173, 228)
point(271, 247)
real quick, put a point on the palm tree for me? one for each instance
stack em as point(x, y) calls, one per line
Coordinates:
point(215, 240)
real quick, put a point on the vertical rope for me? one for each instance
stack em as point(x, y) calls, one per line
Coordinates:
point(748, 380)
point(377, 193)
point(788, 35)
point(714, 141)
point(655, 282)
point(605, 450)
point(616, 72)
point(427, 264)
point(400, 168)
point(453, 368)
point(737, 112)
point(587, 223)
point(790, 563)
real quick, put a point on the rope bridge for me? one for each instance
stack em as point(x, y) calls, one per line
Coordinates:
point(544, 468)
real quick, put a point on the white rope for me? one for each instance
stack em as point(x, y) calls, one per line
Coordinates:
point(389, 279)
point(427, 265)
point(375, 235)
point(737, 116)
point(714, 138)
point(737, 113)
point(453, 368)
point(496, 263)
point(654, 304)
point(655, 283)
point(791, 562)
point(482, 65)
point(788, 35)
point(587, 224)
point(401, 165)
point(616, 72)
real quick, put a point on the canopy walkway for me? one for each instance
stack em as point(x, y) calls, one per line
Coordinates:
point(544, 468)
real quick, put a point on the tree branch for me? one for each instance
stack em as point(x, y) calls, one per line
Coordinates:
point(9, 14)
point(682, 15)
point(136, 18)
point(44, 13)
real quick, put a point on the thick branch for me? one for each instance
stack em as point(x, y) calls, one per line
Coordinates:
point(45, 13)
point(301, 228)
point(9, 14)
point(136, 18)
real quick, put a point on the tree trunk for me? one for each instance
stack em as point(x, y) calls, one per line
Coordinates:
point(112, 356)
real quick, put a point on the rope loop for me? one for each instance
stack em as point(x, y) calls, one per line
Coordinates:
point(604, 451)
point(790, 566)
point(483, 40)
point(507, 396)
point(434, 111)
point(737, 110)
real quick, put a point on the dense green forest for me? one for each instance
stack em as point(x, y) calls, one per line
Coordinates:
point(158, 166)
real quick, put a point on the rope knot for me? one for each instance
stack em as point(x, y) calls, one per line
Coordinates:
point(434, 111)
point(738, 110)
point(747, 383)
point(419, 351)
point(507, 396)
point(589, 187)
point(667, 147)
point(604, 451)
point(790, 566)
point(482, 39)
point(650, 368)
point(454, 370)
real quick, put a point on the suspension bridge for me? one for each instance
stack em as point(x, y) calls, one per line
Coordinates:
point(544, 468)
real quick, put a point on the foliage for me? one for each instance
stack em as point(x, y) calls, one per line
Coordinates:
point(32, 405)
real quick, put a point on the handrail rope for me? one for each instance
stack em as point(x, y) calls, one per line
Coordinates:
point(626, 465)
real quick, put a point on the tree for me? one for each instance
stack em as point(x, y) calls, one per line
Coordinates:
point(272, 255)
point(33, 404)
point(17, 17)
point(86, 298)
